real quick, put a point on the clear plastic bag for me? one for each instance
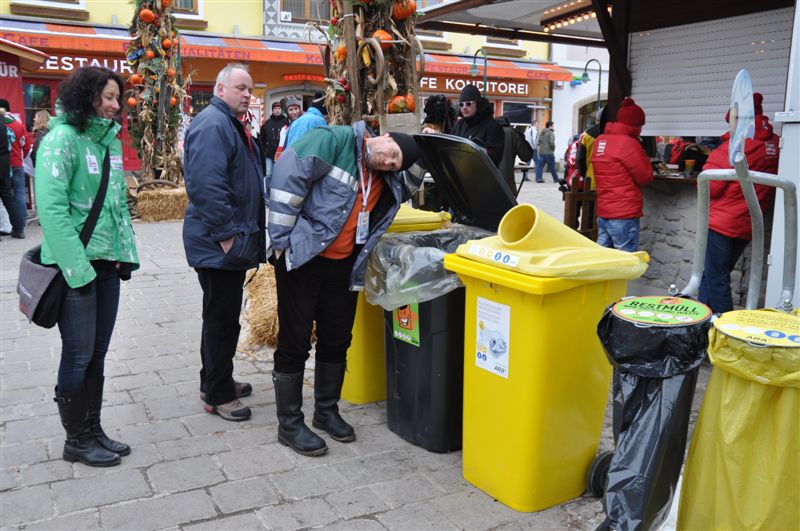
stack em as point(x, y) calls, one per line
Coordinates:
point(408, 267)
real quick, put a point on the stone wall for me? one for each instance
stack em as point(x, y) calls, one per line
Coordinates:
point(668, 235)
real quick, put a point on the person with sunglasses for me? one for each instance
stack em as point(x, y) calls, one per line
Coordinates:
point(478, 125)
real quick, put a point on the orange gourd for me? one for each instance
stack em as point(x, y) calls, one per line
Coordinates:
point(165, 4)
point(341, 53)
point(170, 72)
point(402, 9)
point(136, 79)
point(166, 44)
point(383, 38)
point(131, 102)
point(173, 101)
point(149, 54)
point(147, 16)
point(411, 102)
point(398, 104)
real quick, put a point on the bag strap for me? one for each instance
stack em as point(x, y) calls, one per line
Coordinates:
point(94, 214)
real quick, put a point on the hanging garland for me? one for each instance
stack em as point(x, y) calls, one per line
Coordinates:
point(157, 94)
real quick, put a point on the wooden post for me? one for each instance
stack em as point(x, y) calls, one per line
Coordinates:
point(349, 31)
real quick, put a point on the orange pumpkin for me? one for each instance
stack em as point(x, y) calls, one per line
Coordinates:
point(166, 44)
point(131, 102)
point(341, 53)
point(398, 104)
point(173, 101)
point(402, 9)
point(149, 54)
point(165, 4)
point(136, 79)
point(383, 39)
point(411, 102)
point(170, 72)
point(147, 16)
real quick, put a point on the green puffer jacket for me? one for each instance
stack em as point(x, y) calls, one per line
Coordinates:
point(69, 167)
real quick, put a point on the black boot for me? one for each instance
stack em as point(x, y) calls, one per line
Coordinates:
point(292, 431)
point(328, 380)
point(81, 444)
point(94, 393)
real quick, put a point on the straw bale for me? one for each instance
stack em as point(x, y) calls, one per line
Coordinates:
point(161, 204)
point(261, 309)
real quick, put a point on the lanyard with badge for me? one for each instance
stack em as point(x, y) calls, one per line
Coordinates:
point(362, 228)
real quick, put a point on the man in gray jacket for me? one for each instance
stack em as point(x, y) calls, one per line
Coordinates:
point(547, 149)
point(223, 231)
point(333, 194)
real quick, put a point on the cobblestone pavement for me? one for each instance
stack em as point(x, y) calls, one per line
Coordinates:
point(191, 470)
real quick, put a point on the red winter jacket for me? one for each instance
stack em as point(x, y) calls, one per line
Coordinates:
point(621, 167)
point(728, 214)
point(21, 146)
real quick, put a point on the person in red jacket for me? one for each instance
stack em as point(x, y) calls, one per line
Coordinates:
point(621, 167)
point(729, 224)
point(14, 198)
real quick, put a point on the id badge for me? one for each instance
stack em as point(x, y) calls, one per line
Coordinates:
point(362, 229)
point(91, 162)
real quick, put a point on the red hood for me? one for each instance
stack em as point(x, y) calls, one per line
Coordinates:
point(619, 128)
point(763, 129)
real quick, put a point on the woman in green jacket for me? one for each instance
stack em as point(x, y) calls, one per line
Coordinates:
point(68, 173)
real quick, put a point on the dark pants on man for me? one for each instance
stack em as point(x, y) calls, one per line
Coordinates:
point(550, 162)
point(222, 302)
point(13, 194)
point(318, 291)
point(722, 253)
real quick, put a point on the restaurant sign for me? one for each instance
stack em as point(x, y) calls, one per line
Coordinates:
point(66, 64)
point(493, 87)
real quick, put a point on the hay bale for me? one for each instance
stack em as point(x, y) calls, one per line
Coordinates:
point(161, 204)
point(261, 309)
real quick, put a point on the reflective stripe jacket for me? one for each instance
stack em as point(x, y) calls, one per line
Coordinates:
point(314, 188)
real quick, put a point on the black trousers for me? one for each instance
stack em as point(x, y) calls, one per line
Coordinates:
point(222, 302)
point(318, 291)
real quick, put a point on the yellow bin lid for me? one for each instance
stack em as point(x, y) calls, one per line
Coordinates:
point(412, 219)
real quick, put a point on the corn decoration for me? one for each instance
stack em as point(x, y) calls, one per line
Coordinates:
point(157, 95)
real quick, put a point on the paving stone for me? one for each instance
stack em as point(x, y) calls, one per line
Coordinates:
point(45, 472)
point(13, 455)
point(204, 423)
point(161, 363)
point(306, 483)
point(249, 462)
point(313, 512)
point(474, 510)
point(78, 521)
point(183, 374)
point(192, 446)
point(449, 479)
point(159, 513)
point(416, 517)
point(26, 411)
point(407, 490)
point(9, 397)
point(141, 456)
point(157, 392)
point(16, 367)
point(231, 523)
point(96, 491)
point(385, 466)
point(356, 502)
point(123, 415)
point(31, 429)
point(26, 505)
point(552, 518)
point(147, 379)
point(114, 368)
point(236, 496)
point(358, 524)
point(139, 354)
point(9, 479)
point(253, 437)
point(173, 407)
point(149, 433)
point(186, 474)
point(116, 398)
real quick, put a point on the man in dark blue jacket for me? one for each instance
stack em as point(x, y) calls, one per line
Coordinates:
point(223, 231)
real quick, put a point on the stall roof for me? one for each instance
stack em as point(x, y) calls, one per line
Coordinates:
point(29, 58)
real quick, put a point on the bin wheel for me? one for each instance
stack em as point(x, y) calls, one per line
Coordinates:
point(597, 474)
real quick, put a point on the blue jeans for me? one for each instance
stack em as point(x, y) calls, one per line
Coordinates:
point(86, 324)
point(622, 234)
point(550, 160)
point(269, 163)
point(722, 253)
point(13, 195)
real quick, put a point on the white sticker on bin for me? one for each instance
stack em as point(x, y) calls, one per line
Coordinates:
point(492, 336)
point(495, 255)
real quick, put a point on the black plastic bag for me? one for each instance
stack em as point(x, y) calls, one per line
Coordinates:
point(655, 371)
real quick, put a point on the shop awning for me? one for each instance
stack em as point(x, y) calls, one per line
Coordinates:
point(29, 59)
point(107, 40)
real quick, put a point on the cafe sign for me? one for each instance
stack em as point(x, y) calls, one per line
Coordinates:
point(493, 87)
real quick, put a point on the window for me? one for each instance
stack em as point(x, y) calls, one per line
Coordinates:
point(59, 9)
point(307, 9)
point(185, 6)
point(37, 97)
point(201, 97)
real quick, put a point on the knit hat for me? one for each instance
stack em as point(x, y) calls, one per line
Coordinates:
point(275, 103)
point(758, 110)
point(290, 101)
point(630, 114)
point(409, 148)
point(470, 93)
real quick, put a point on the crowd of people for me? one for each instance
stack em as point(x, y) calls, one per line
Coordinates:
point(332, 193)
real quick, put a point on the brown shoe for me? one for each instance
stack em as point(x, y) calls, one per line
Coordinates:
point(243, 389)
point(235, 410)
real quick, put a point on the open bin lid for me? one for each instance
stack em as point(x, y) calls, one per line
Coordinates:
point(468, 179)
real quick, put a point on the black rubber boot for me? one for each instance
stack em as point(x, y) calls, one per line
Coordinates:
point(94, 393)
point(292, 431)
point(80, 444)
point(328, 380)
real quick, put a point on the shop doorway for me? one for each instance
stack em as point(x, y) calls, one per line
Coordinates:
point(586, 114)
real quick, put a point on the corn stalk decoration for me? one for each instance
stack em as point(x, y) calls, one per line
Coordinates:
point(371, 70)
point(157, 94)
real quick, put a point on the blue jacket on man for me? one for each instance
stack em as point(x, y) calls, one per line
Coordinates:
point(223, 173)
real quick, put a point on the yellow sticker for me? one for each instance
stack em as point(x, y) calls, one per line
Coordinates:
point(773, 329)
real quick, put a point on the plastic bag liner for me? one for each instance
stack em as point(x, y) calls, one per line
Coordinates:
point(409, 267)
point(743, 463)
point(654, 379)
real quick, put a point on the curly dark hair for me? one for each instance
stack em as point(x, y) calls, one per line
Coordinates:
point(80, 91)
point(439, 111)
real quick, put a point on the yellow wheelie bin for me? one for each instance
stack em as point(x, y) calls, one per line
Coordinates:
point(536, 379)
point(365, 379)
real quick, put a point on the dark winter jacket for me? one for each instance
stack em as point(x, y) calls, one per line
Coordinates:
point(728, 214)
point(621, 167)
point(270, 134)
point(484, 131)
point(314, 187)
point(223, 180)
point(514, 146)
